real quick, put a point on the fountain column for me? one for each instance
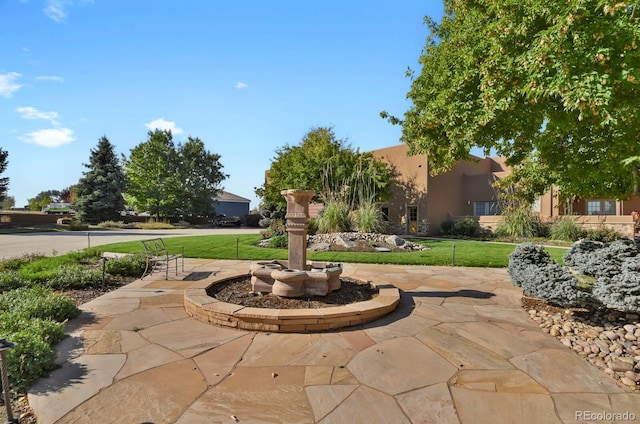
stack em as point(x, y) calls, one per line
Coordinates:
point(297, 225)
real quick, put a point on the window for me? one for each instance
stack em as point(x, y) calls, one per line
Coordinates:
point(601, 207)
point(385, 213)
point(413, 213)
point(535, 207)
point(485, 208)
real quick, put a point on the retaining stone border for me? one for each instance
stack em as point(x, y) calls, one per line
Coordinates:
point(208, 309)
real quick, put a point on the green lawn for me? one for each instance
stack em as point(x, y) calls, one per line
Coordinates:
point(441, 252)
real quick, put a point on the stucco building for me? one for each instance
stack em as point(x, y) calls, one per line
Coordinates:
point(421, 202)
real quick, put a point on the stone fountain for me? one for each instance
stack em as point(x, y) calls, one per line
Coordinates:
point(296, 277)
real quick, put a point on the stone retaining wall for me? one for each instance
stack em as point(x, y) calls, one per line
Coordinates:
point(622, 224)
point(208, 309)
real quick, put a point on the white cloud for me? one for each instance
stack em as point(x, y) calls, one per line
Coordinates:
point(56, 10)
point(28, 112)
point(51, 137)
point(240, 85)
point(49, 78)
point(8, 85)
point(162, 124)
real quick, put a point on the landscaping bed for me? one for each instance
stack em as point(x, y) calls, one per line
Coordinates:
point(238, 292)
point(591, 306)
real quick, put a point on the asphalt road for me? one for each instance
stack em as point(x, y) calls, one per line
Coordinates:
point(57, 243)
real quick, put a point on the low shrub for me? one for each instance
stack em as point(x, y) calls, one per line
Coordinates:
point(580, 251)
point(252, 220)
point(605, 235)
point(276, 228)
point(265, 222)
point(127, 266)
point(33, 318)
point(446, 227)
point(155, 226)
point(38, 302)
point(32, 356)
point(621, 292)
point(18, 262)
point(113, 224)
point(278, 241)
point(75, 277)
point(10, 280)
point(598, 259)
point(531, 268)
point(467, 227)
point(78, 226)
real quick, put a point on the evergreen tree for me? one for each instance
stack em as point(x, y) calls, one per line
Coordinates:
point(4, 182)
point(99, 192)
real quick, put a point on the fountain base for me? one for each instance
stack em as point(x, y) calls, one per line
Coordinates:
point(206, 308)
point(275, 277)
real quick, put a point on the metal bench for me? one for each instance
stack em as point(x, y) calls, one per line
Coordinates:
point(158, 257)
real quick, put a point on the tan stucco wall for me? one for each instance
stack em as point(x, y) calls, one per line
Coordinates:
point(411, 187)
point(440, 197)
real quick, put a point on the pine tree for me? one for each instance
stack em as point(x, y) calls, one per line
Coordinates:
point(99, 192)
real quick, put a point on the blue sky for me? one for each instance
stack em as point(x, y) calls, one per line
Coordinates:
point(246, 77)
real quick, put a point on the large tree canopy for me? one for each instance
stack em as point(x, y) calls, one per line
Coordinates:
point(99, 192)
point(328, 165)
point(43, 198)
point(549, 81)
point(200, 178)
point(166, 180)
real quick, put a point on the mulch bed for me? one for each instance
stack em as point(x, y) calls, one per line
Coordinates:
point(238, 292)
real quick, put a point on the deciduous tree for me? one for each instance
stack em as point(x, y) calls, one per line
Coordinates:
point(43, 198)
point(200, 178)
point(328, 165)
point(151, 175)
point(99, 192)
point(172, 181)
point(555, 79)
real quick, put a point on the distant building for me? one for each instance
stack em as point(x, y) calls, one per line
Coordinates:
point(230, 204)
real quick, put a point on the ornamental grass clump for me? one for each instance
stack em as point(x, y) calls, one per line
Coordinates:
point(566, 228)
point(521, 223)
point(334, 218)
point(368, 218)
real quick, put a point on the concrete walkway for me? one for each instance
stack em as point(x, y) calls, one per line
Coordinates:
point(459, 349)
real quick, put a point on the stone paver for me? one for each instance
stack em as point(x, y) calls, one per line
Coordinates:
point(458, 349)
